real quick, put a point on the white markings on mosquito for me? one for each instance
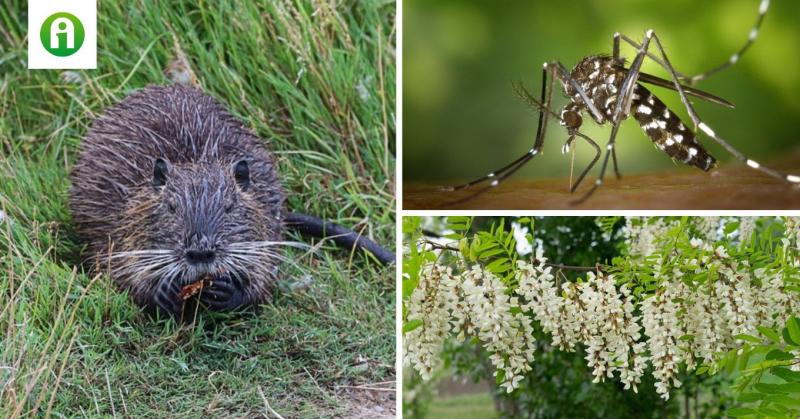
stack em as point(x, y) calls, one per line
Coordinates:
point(666, 113)
point(649, 33)
point(644, 109)
point(565, 148)
point(752, 163)
point(678, 138)
point(490, 175)
point(544, 66)
point(594, 74)
point(610, 146)
point(734, 58)
point(651, 100)
point(610, 100)
point(533, 151)
point(753, 34)
point(494, 183)
point(705, 128)
point(596, 65)
point(793, 178)
point(692, 151)
point(661, 124)
point(635, 96)
point(681, 127)
point(651, 125)
point(763, 7)
point(670, 142)
point(612, 78)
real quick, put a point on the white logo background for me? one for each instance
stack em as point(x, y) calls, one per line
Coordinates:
point(85, 57)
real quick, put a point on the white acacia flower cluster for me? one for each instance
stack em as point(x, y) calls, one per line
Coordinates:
point(507, 336)
point(684, 323)
point(472, 304)
point(594, 312)
point(432, 303)
point(642, 237)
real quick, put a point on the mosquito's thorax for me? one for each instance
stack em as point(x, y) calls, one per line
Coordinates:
point(601, 78)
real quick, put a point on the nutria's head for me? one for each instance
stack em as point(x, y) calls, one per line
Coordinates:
point(170, 188)
point(193, 222)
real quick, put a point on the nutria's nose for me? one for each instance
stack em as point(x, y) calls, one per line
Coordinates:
point(196, 257)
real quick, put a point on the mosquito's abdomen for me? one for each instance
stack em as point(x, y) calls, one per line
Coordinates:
point(667, 131)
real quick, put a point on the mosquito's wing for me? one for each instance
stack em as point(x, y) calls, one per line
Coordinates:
point(658, 81)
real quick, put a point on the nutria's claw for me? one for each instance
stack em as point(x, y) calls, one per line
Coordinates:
point(166, 299)
point(223, 295)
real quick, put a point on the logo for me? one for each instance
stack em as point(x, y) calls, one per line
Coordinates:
point(62, 34)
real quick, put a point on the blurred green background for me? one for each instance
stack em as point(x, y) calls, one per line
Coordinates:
point(462, 119)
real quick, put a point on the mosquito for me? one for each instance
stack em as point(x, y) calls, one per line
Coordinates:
point(609, 92)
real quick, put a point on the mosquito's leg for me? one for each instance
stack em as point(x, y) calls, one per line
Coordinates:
point(496, 175)
point(588, 167)
point(521, 162)
point(762, 10)
point(616, 166)
point(504, 172)
point(707, 130)
point(621, 111)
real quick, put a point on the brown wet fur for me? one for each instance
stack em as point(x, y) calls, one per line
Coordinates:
point(139, 232)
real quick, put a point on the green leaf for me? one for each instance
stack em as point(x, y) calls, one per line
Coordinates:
point(786, 374)
point(771, 334)
point(411, 325)
point(731, 361)
point(731, 227)
point(702, 370)
point(748, 338)
point(784, 400)
point(741, 411)
point(686, 337)
point(777, 354)
point(500, 377)
point(743, 359)
point(767, 388)
point(499, 265)
point(789, 388)
point(750, 397)
point(793, 330)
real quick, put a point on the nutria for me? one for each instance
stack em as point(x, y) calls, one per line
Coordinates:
point(170, 189)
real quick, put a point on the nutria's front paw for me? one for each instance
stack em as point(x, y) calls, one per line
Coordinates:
point(223, 294)
point(166, 299)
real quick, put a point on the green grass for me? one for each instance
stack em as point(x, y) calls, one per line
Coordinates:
point(474, 406)
point(317, 83)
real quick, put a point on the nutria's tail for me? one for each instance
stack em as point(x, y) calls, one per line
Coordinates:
point(312, 226)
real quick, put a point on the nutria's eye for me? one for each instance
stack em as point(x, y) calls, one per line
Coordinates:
point(229, 208)
point(160, 173)
point(171, 206)
point(241, 172)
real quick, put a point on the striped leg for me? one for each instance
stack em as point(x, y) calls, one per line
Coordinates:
point(762, 10)
point(702, 125)
point(497, 176)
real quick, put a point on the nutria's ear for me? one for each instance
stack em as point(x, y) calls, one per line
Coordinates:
point(160, 173)
point(241, 172)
